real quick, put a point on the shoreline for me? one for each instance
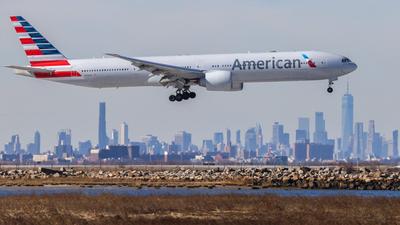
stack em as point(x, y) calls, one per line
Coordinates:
point(300, 178)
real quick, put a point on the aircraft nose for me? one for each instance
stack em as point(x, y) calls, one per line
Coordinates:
point(350, 67)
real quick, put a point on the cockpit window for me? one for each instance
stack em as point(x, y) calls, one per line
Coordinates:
point(345, 60)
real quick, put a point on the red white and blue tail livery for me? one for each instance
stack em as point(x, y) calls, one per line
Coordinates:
point(217, 72)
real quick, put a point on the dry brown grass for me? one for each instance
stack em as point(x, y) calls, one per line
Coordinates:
point(115, 210)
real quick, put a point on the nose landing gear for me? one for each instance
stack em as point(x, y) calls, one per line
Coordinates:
point(184, 94)
point(330, 89)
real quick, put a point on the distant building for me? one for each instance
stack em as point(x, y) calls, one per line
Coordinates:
point(238, 138)
point(358, 142)
point(259, 137)
point(207, 146)
point(228, 138)
point(14, 146)
point(124, 136)
point(301, 136)
point(114, 140)
point(371, 139)
point(184, 140)
point(313, 151)
point(304, 125)
point(64, 137)
point(84, 147)
point(36, 142)
point(250, 142)
point(320, 134)
point(102, 135)
point(347, 124)
point(395, 139)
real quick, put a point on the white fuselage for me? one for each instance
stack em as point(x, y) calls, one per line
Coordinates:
point(248, 67)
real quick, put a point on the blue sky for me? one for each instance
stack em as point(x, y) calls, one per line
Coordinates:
point(365, 31)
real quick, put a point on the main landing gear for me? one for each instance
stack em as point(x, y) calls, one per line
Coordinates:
point(182, 95)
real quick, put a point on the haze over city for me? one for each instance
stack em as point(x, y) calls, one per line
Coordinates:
point(367, 33)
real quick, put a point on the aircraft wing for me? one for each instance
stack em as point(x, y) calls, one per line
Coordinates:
point(31, 69)
point(163, 69)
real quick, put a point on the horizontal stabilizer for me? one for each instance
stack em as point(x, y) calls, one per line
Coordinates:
point(31, 69)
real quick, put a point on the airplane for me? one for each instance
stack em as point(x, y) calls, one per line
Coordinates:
point(217, 72)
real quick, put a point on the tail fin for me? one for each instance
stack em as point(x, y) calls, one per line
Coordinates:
point(40, 52)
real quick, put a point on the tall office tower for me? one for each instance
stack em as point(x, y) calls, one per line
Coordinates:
point(102, 126)
point(64, 137)
point(114, 140)
point(238, 139)
point(371, 138)
point(124, 136)
point(320, 134)
point(259, 137)
point(36, 142)
point(301, 136)
point(14, 146)
point(277, 133)
point(250, 140)
point(228, 138)
point(358, 141)
point(17, 144)
point(347, 123)
point(218, 138)
point(395, 143)
point(304, 124)
point(184, 140)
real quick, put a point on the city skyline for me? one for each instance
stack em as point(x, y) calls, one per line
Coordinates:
point(41, 105)
point(361, 144)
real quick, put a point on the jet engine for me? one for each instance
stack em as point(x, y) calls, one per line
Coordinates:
point(220, 81)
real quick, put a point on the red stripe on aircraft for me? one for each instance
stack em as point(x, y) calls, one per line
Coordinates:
point(13, 18)
point(33, 52)
point(58, 74)
point(50, 63)
point(20, 30)
point(26, 41)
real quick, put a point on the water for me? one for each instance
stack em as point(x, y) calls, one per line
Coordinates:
point(181, 191)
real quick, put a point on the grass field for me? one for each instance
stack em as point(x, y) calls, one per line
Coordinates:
point(115, 210)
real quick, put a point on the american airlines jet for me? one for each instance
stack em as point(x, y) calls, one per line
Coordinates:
point(221, 72)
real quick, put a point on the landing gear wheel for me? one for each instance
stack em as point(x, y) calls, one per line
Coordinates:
point(185, 95)
point(192, 95)
point(179, 97)
point(172, 98)
point(329, 90)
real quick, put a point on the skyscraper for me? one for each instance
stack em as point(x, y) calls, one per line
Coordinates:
point(102, 126)
point(259, 137)
point(124, 137)
point(36, 142)
point(238, 139)
point(371, 138)
point(320, 134)
point(218, 138)
point(277, 133)
point(304, 124)
point(228, 138)
point(250, 142)
point(114, 140)
point(395, 143)
point(347, 123)
point(184, 140)
point(358, 141)
point(64, 137)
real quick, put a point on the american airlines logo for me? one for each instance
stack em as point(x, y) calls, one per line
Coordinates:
point(271, 64)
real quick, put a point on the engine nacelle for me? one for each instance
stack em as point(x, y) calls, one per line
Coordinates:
point(220, 81)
